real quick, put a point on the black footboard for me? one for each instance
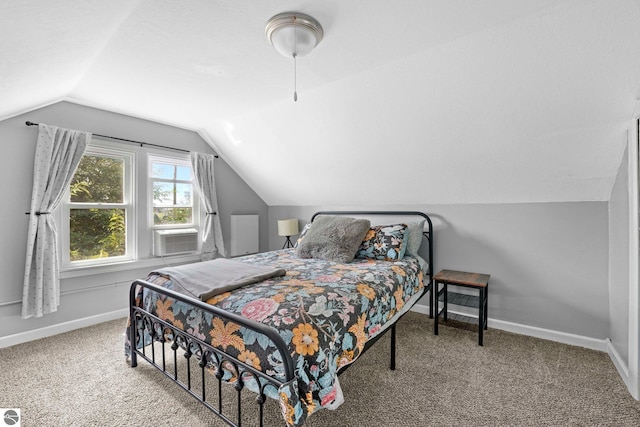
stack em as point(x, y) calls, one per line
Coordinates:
point(201, 353)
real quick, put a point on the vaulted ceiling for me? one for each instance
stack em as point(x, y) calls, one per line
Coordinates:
point(403, 102)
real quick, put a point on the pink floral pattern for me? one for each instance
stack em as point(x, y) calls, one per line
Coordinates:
point(259, 309)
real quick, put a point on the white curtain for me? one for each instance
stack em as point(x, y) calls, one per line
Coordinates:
point(58, 153)
point(212, 243)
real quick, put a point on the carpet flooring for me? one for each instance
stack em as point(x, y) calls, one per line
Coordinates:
point(81, 378)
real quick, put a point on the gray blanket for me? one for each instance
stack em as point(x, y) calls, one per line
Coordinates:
point(206, 279)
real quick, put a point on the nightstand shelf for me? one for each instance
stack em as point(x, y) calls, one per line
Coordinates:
point(457, 298)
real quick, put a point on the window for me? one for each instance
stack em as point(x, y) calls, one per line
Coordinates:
point(98, 210)
point(171, 183)
point(119, 196)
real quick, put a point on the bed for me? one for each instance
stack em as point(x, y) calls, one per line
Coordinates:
point(287, 337)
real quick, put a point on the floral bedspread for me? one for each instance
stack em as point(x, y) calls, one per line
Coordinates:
point(324, 311)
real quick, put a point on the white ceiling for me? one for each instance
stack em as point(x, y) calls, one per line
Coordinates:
point(403, 102)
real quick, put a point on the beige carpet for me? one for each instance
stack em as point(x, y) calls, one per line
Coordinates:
point(81, 379)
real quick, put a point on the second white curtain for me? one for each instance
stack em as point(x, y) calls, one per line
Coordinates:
point(212, 243)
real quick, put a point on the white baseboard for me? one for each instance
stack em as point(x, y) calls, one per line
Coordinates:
point(562, 337)
point(532, 331)
point(419, 308)
point(621, 366)
point(548, 334)
point(48, 331)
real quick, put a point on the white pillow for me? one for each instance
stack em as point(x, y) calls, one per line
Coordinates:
point(415, 237)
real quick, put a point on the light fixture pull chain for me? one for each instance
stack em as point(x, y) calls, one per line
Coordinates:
point(295, 66)
point(295, 79)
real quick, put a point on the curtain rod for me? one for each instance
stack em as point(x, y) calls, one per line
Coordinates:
point(130, 140)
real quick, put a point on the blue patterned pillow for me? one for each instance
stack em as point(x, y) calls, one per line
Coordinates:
point(384, 242)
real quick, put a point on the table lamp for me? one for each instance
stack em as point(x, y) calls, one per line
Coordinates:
point(287, 228)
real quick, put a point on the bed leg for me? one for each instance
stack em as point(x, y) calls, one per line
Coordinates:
point(132, 344)
point(133, 325)
point(393, 347)
point(432, 287)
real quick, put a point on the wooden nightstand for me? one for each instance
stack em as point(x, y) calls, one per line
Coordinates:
point(469, 280)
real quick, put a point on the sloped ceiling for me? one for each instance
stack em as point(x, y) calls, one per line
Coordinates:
point(403, 102)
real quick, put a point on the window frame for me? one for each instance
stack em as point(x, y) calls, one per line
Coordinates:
point(179, 160)
point(103, 148)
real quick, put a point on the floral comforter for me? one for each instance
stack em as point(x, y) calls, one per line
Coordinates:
point(324, 311)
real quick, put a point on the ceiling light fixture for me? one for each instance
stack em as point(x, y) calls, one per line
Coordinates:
point(294, 34)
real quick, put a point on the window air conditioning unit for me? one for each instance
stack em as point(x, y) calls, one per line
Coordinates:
point(175, 241)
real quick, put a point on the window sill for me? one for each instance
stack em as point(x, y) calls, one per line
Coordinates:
point(129, 265)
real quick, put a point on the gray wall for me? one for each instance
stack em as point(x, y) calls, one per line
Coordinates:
point(619, 262)
point(89, 295)
point(548, 261)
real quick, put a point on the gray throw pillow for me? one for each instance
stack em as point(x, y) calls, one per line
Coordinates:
point(333, 238)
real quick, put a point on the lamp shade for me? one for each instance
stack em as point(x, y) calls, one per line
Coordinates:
point(287, 227)
point(293, 33)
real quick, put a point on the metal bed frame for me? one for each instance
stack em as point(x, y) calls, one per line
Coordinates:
point(142, 321)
